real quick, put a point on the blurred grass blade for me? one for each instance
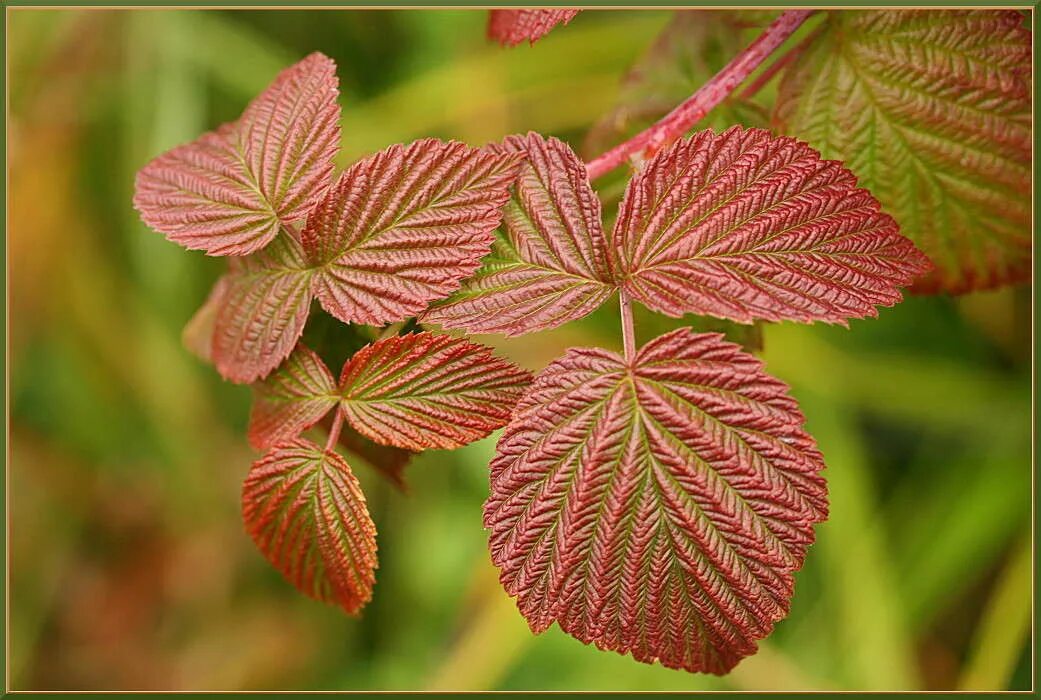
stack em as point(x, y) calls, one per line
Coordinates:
point(1004, 627)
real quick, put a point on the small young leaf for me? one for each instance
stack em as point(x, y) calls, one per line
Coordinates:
point(262, 312)
point(511, 27)
point(197, 336)
point(291, 399)
point(657, 508)
point(744, 225)
point(305, 510)
point(228, 192)
point(425, 391)
point(931, 110)
point(404, 227)
point(551, 266)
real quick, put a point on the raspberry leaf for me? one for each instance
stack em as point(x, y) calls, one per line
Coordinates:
point(291, 399)
point(511, 27)
point(931, 110)
point(657, 508)
point(262, 311)
point(744, 225)
point(304, 509)
point(228, 192)
point(550, 267)
point(426, 391)
point(197, 336)
point(404, 227)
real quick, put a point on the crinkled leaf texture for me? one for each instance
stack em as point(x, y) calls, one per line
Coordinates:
point(292, 399)
point(745, 225)
point(550, 267)
point(262, 311)
point(305, 510)
point(931, 110)
point(512, 27)
point(404, 227)
point(425, 391)
point(228, 192)
point(657, 508)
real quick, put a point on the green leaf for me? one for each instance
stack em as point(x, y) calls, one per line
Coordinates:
point(931, 110)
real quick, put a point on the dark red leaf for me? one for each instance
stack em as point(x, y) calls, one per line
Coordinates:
point(551, 266)
point(404, 227)
point(423, 391)
point(657, 508)
point(305, 510)
point(744, 225)
point(511, 27)
point(291, 399)
point(228, 192)
point(262, 312)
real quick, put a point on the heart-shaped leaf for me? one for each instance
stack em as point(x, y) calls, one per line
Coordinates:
point(228, 192)
point(744, 225)
point(263, 309)
point(305, 510)
point(659, 507)
point(511, 27)
point(291, 399)
point(425, 391)
point(932, 111)
point(551, 265)
point(404, 227)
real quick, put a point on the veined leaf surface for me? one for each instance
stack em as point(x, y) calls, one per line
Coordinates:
point(931, 110)
point(550, 267)
point(304, 509)
point(511, 27)
point(744, 225)
point(228, 192)
point(657, 508)
point(404, 227)
point(262, 311)
point(427, 391)
point(291, 399)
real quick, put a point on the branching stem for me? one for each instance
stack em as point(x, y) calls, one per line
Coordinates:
point(628, 333)
point(694, 108)
point(334, 431)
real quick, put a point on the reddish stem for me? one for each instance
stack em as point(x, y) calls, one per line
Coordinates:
point(678, 121)
point(334, 432)
point(628, 333)
point(774, 68)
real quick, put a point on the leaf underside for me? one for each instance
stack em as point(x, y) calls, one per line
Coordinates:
point(262, 311)
point(512, 27)
point(931, 110)
point(306, 513)
point(291, 399)
point(426, 391)
point(550, 266)
point(658, 510)
point(404, 227)
point(228, 192)
point(744, 225)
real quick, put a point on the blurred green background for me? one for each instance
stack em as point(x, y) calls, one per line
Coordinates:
point(129, 565)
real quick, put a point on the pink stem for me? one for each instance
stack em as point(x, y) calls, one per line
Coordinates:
point(774, 68)
point(334, 432)
point(678, 121)
point(628, 333)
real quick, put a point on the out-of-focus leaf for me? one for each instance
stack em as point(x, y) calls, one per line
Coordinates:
point(931, 110)
point(512, 27)
point(744, 225)
point(657, 506)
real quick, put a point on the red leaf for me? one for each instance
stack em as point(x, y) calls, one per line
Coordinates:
point(404, 227)
point(227, 192)
point(262, 312)
point(197, 335)
point(745, 225)
point(305, 510)
point(421, 391)
point(292, 399)
point(659, 508)
point(551, 267)
point(511, 27)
